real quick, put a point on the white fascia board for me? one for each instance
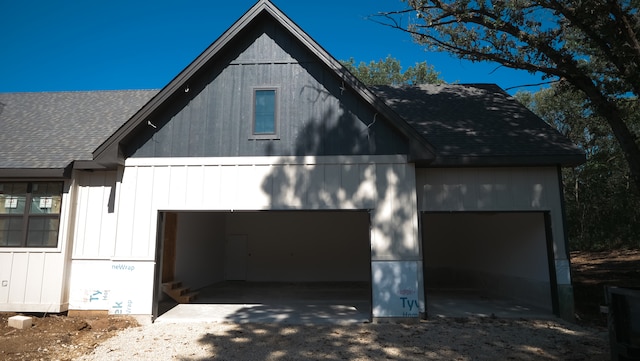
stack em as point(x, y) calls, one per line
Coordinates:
point(290, 160)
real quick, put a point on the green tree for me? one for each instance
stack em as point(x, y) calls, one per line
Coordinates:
point(389, 72)
point(601, 202)
point(591, 44)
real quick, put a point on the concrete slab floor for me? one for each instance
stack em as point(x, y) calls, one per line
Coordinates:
point(464, 303)
point(325, 303)
point(271, 302)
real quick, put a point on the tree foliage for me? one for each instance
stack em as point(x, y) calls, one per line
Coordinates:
point(389, 72)
point(591, 44)
point(601, 202)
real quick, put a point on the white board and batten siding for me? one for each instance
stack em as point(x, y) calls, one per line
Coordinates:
point(95, 225)
point(34, 279)
point(383, 185)
point(498, 190)
point(98, 279)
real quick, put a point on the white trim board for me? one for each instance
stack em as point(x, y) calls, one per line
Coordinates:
point(289, 160)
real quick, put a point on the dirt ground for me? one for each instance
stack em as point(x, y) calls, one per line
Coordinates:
point(58, 337)
point(592, 271)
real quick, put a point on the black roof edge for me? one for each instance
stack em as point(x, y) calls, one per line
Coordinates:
point(109, 152)
point(573, 160)
point(8, 173)
point(88, 165)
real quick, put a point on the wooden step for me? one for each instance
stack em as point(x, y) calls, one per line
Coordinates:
point(171, 285)
point(189, 297)
point(179, 293)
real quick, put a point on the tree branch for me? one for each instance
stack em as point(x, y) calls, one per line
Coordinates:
point(531, 85)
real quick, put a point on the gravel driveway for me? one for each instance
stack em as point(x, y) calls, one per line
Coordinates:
point(436, 339)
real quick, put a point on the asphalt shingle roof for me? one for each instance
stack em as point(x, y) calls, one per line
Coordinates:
point(466, 124)
point(478, 124)
point(49, 130)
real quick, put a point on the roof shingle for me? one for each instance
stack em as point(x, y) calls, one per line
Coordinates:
point(479, 124)
point(51, 129)
point(466, 124)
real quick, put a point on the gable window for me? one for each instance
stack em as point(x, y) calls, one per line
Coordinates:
point(265, 113)
point(30, 214)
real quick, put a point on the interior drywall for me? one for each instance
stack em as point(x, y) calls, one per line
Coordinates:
point(499, 253)
point(503, 189)
point(200, 248)
point(304, 246)
point(282, 246)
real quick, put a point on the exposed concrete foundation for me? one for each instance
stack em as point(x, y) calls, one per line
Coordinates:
point(406, 320)
point(87, 313)
point(20, 322)
point(566, 306)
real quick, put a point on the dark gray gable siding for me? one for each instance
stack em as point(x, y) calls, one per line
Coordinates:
point(317, 117)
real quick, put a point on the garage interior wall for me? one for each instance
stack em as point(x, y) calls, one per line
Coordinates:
point(200, 248)
point(495, 253)
point(282, 246)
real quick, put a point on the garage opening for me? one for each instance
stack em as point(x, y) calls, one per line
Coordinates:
point(292, 262)
point(488, 263)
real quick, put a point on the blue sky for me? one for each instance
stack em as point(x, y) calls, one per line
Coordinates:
point(138, 44)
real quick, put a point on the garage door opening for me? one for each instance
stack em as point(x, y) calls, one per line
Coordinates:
point(256, 262)
point(488, 263)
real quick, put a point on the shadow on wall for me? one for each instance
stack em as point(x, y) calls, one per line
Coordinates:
point(387, 190)
point(347, 185)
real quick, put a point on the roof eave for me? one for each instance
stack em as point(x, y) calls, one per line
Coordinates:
point(30, 173)
point(108, 153)
point(93, 165)
point(111, 145)
point(568, 160)
point(420, 148)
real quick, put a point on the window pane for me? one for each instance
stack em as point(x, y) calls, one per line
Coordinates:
point(43, 232)
point(19, 220)
point(10, 231)
point(46, 198)
point(265, 112)
point(13, 197)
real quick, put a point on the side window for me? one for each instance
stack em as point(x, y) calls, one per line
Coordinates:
point(265, 113)
point(30, 214)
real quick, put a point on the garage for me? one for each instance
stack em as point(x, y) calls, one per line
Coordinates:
point(267, 257)
point(487, 262)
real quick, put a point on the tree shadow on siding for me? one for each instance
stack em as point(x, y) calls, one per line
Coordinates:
point(300, 182)
point(345, 182)
point(309, 181)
